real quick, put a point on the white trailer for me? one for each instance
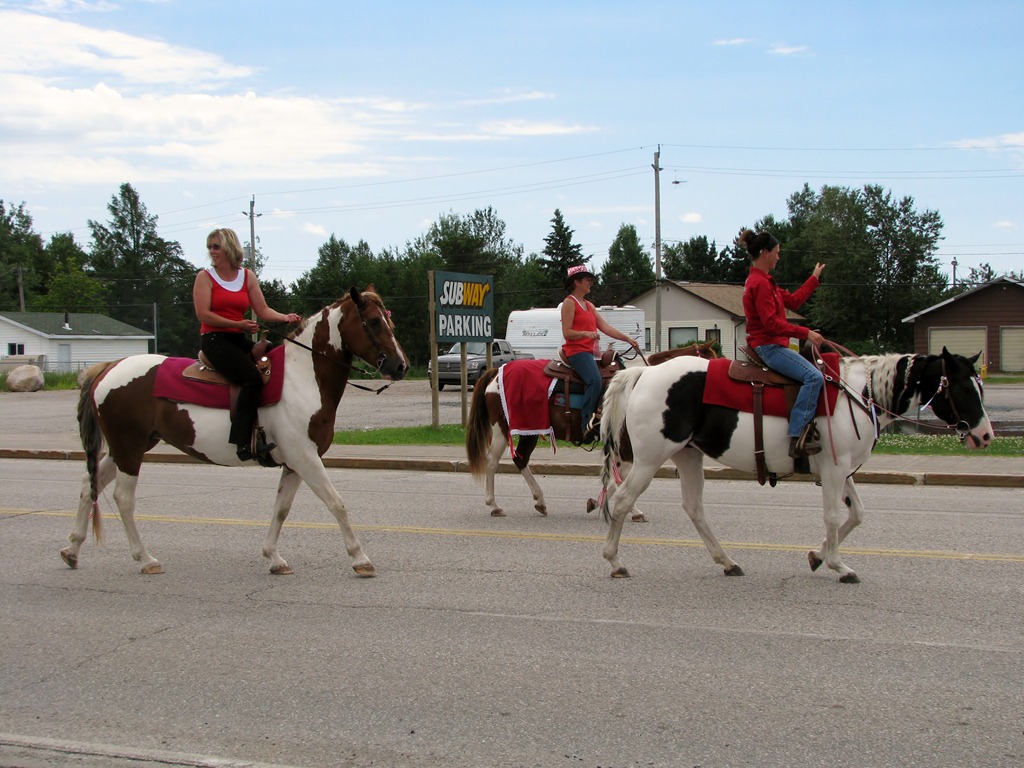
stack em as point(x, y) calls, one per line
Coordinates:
point(538, 331)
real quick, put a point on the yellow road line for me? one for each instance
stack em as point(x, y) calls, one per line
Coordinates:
point(537, 536)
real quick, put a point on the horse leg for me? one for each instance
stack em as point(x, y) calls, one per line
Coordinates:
point(854, 517)
point(286, 489)
point(124, 496)
point(312, 471)
point(620, 501)
point(524, 450)
point(494, 453)
point(636, 516)
point(105, 472)
point(833, 487)
point(690, 463)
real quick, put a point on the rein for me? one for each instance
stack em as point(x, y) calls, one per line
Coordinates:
point(381, 354)
point(871, 406)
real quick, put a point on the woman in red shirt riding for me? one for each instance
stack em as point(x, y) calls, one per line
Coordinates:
point(769, 332)
point(222, 294)
point(582, 326)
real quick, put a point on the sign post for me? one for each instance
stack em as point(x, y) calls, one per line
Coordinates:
point(461, 310)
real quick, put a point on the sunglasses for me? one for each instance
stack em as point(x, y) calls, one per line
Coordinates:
point(213, 247)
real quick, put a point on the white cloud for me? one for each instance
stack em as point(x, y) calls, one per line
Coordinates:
point(786, 50)
point(314, 229)
point(1005, 226)
point(63, 50)
point(691, 217)
point(733, 41)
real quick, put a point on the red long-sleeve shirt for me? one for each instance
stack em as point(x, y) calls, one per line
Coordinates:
point(765, 305)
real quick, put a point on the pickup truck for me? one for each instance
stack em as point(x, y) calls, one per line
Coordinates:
point(448, 364)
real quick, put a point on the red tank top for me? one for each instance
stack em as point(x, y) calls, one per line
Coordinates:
point(229, 300)
point(582, 320)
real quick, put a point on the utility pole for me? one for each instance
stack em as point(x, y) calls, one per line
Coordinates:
point(20, 287)
point(252, 215)
point(657, 250)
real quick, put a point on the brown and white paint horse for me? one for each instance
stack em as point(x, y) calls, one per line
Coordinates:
point(487, 431)
point(117, 406)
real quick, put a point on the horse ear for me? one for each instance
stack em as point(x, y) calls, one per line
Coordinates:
point(357, 297)
point(371, 288)
point(974, 359)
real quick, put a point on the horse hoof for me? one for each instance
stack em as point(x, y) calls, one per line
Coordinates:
point(497, 512)
point(365, 571)
point(281, 570)
point(850, 578)
point(591, 505)
point(67, 557)
point(620, 573)
point(152, 568)
point(814, 561)
point(734, 571)
point(639, 518)
point(542, 509)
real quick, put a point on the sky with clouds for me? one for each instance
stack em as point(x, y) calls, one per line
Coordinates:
point(370, 119)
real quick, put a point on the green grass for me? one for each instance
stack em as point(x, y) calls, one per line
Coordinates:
point(452, 435)
point(946, 445)
point(446, 434)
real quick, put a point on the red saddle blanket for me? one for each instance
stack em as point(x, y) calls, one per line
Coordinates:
point(719, 389)
point(170, 384)
point(524, 397)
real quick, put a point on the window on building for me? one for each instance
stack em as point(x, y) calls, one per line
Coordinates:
point(680, 337)
point(713, 334)
point(647, 339)
point(14, 348)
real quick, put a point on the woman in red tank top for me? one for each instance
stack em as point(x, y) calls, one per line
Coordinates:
point(582, 326)
point(222, 294)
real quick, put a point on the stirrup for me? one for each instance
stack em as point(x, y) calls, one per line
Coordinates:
point(808, 444)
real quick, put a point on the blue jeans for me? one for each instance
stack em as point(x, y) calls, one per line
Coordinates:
point(586, 366)
point(790, 363)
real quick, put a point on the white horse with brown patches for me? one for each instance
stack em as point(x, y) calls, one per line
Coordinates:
point(118, 407)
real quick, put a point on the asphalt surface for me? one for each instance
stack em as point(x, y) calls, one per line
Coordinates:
point(502, 642)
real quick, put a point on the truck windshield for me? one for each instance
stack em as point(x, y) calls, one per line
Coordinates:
point(472, 348)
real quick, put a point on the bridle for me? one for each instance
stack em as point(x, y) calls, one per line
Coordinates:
point(382, 355)
point(871, 406)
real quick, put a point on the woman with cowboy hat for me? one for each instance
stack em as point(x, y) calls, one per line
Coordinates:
point(582, 326)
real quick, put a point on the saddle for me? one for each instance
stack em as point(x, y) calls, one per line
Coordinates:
point(759, 376)
point(202, 370)
point(609, 364)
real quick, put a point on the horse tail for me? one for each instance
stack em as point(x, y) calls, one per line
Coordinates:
point(92, 439)
point(613, 418)
point(478, 429)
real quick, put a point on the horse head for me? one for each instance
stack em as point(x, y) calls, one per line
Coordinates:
point(369, 333)
point(958, 397)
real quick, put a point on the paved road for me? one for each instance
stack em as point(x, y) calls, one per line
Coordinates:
point(503, 642)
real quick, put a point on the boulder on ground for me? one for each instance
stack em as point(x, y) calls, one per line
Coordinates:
point(25, 378)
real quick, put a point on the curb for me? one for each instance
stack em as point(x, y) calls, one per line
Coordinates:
point(458, 466)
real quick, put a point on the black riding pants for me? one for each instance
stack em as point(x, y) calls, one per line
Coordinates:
point(229, 354)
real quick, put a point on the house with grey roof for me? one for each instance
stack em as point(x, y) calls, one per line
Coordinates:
point(698, 311)
point(66, 341)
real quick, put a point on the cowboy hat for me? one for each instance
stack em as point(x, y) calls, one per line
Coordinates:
point(575, 273)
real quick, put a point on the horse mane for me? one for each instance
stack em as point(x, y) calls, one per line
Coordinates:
point(882, 372)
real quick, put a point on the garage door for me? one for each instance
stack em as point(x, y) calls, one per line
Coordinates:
point(960, 341)
point(1011, 349)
